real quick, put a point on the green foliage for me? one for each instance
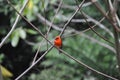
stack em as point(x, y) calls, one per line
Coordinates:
point(60, 71)
point(31, 9)
point(16, 35)
point(31, 31)
point(57, 66)
point(1, 57)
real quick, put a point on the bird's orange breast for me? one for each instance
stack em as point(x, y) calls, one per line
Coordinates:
point(58, 42)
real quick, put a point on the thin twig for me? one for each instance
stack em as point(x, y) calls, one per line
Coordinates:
point(95, 31)
point(99, 24)
point(96, 23)
point(79, 7)
point(33, 64)
point(56, 27)
point(13, 27)
point(92, 40)
point(36, 54)
point(73, 7)
point(90, 68)
point(103, 13)
point(34, 27)
point(44, 11)
point(100, 43)
point(59, 6)
point(116, 34)
point(92, 27)
point(91, 19)
point(42, 19)
point(15, 23)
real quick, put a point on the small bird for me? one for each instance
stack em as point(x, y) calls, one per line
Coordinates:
point(58, 42)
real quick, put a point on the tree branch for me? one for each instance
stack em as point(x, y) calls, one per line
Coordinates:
point(78, 8)
point(103, 13)
point(15, 23)
point(116, 34)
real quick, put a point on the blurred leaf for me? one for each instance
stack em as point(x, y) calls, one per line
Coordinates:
point(43, 5)
point(31, 31)
point(30, 4)
point(14, 38)
point(31, 9)
point(22, 33)
point(47, 63)
point(53, 1)
point(1, 57)
point(5, 72)
point(69, 2)
point(16, 35)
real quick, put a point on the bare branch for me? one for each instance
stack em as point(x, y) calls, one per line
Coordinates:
point(12, 29)
point(78, 8)
point(15, 23)
point(92, 40)
point(36, 54)
point(73, 7)
point(60, 4)
point(100, 43)
point(99, 24)
point(116, 34)
point(90, 68)
point(30, 23)
point(95, 31)
point(90, 19)
point(33, 64)
point(56, 27)
point(42, 19)
point(103, 13)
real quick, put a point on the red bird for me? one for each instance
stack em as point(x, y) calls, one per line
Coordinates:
point(58, 42)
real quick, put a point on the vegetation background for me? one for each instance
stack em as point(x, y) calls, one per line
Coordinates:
point(19, 49)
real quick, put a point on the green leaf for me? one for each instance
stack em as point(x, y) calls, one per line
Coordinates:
point(15, 40)
point(47, 63)
point(22, 33)
point(30, 31)
point(1, 57)
point(43, 2)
